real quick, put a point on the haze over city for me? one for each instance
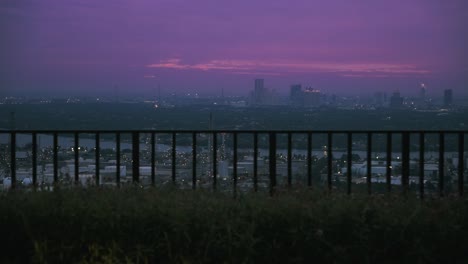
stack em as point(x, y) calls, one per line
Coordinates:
point(63, 48)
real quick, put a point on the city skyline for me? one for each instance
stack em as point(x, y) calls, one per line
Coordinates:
point(83, 47)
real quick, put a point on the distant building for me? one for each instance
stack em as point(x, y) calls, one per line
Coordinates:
point(262, 95)
point(259, 93)
point(396, 101)
point(296, 95)
point(448, 97)
point(311, 97)
point(422, 93)
point(378, 98)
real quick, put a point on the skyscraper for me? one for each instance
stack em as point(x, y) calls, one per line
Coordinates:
point(422, 92)
point(311, 97)
point(448, 97)
point(259, 92)
point(396, 101)
point(296, 95)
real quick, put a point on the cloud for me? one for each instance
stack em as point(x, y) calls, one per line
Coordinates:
point(283, 67)
point(256, 73)
point(352, 75)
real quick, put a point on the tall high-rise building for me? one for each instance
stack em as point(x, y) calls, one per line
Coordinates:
point(296, 95)
point(311, 97)
point(422, 92)
point(396, 101)
point(259, 92)
point(448, 97)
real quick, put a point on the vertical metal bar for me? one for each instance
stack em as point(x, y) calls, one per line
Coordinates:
point(369, 163)
point(405, 142)
point(255, 165)
point(136, 157)
point(235, 163)
point(153, 159)
point(97, 157)
point(194, 161)
point(388, 180)
point(55, 151)
point(173, 157)
point(272, 158)
point(441, 163)
point(13, 159)
point(76, 158)
point(215, 160)
point(117, 157)
point(461, 161)
point(329, 161)
point(309, 159)
point(349, 161)
point(34, 159)
point(421, 165)
point(289, 159)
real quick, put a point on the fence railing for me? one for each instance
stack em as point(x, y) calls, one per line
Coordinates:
point(272, 145)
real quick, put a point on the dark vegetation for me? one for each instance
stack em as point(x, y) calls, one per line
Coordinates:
point(145, 116)
point(296, 226)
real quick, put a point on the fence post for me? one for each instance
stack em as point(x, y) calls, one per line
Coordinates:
point(421, 165)
point(194, 160)
point(173, 157)
point(272, 158)
point(255, 165)
point(389, 163)
point(289, 159)
point(13, 160)
point(76, 158)
point(461, 161)
point(405, 162)
point(136, 157)
point(441, 163)
point(234, 163)
point(98, 158)
point(34, 160)
point(55, 151)
point(369, 163)
point(117, 158)
point(215, 160)
point(349, 161)
point(153, 159)
point(309, 159)
point(329, 161)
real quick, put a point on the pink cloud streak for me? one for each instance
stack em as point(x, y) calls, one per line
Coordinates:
point(252, 66)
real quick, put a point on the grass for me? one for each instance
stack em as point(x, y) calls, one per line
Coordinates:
point(154, 226)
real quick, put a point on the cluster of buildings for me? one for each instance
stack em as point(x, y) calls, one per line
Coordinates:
point(262, 95)
point(420, 102)
point(311, 97)
point(298, 96)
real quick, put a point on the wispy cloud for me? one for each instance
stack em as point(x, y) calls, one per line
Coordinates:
point(366, 75)
point(256, 73)
point(278, 67)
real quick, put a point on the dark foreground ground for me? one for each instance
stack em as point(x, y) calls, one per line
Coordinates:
point(158, 226)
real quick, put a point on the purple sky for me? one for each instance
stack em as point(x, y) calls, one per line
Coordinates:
point(339, 46)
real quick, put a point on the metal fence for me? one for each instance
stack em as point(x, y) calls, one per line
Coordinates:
point(272, 142)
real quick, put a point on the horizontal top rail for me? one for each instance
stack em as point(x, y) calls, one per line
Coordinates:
point(170, 131)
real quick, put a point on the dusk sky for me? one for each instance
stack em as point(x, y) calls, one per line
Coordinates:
point(77, 47)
